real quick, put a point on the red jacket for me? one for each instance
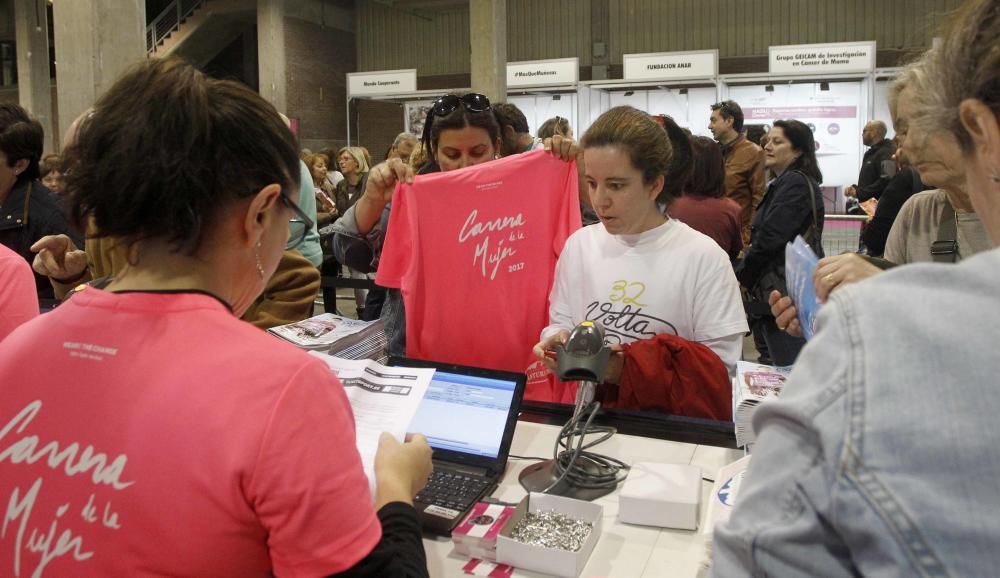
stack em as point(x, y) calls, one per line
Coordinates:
point(672, 375)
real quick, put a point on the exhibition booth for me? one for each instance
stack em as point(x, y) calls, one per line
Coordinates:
point(395, 86)
point(830, 88)
point(834, 88)
point(545, 89)
point(542, 89)
point(682, 85)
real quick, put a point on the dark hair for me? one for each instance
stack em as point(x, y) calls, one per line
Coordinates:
point(510, 115)
point(458, 119)
point(730, 110)
point(755, 132)
point(167, 148)
point(21, 137)
point(49, 163)
point(553, 126)
point(651, 149)
point(708, 169)
point(680, 167)
point(801, 139)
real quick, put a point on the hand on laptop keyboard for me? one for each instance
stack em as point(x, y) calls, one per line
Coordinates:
point(451, 490)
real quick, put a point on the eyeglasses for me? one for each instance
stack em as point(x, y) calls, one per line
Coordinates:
point(298, 226)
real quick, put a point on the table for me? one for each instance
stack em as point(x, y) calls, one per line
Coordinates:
point(624, 550)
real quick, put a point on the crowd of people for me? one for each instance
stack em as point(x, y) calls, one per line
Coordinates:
point(873, 461)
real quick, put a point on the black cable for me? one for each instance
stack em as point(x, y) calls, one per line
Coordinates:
point(535, 458)
point(567, 462)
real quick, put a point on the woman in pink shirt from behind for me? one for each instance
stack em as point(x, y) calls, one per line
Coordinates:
point(18, 299)
point(144, 429)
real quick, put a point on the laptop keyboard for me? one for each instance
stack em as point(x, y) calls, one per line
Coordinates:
point(451, 490)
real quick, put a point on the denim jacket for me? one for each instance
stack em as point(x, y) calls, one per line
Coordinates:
point(881, 458)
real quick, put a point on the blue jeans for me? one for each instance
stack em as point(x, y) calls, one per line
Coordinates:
point(783, 348)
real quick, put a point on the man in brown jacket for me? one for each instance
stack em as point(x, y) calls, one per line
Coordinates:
point(744, 161)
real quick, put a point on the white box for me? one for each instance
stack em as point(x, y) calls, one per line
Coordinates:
point(664, 495)
point(549, 560)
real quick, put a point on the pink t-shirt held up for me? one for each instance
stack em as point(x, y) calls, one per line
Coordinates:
point(153, 434)
point(473, 252)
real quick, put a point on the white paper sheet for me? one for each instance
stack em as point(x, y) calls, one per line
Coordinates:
point(384, 399)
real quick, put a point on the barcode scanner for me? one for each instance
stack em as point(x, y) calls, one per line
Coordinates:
point(583, 358)
point(574, 472)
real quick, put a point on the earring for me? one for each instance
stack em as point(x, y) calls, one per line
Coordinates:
point(260, 268)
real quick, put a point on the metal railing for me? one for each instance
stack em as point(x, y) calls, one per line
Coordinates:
point(169, 21)
point(842, 233)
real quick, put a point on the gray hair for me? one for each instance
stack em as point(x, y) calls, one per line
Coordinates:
point(912, 75)
point(404, 137)
point(966, 64)
point(358, 154)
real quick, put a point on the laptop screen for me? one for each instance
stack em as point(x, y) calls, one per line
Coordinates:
point(465, 413)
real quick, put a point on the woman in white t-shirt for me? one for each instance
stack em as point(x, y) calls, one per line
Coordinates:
point(638, 272)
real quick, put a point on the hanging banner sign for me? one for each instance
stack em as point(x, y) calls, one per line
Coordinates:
point(543, 72)
point(818, 59)
point(381, 82)
point(671, 65)
point(811, 111)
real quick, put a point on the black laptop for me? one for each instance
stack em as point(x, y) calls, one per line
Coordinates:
point(468, 416)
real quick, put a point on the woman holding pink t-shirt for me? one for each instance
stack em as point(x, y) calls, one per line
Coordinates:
point(144, 423)
point(460, 131)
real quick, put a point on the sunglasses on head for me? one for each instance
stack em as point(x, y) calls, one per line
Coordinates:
point(473, 102)
point(726, 107)
point(447, 104)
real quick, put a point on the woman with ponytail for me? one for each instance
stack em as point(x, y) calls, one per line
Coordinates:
point(656, 285)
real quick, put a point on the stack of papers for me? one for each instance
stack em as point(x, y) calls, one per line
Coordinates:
point(755, 383)
point(341, 336)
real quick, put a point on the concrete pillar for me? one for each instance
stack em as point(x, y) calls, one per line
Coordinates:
point(488, 36)
point(271, 52)
point(34, 87)
point(600, 34)
point(250, 67)
point(95, 42)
